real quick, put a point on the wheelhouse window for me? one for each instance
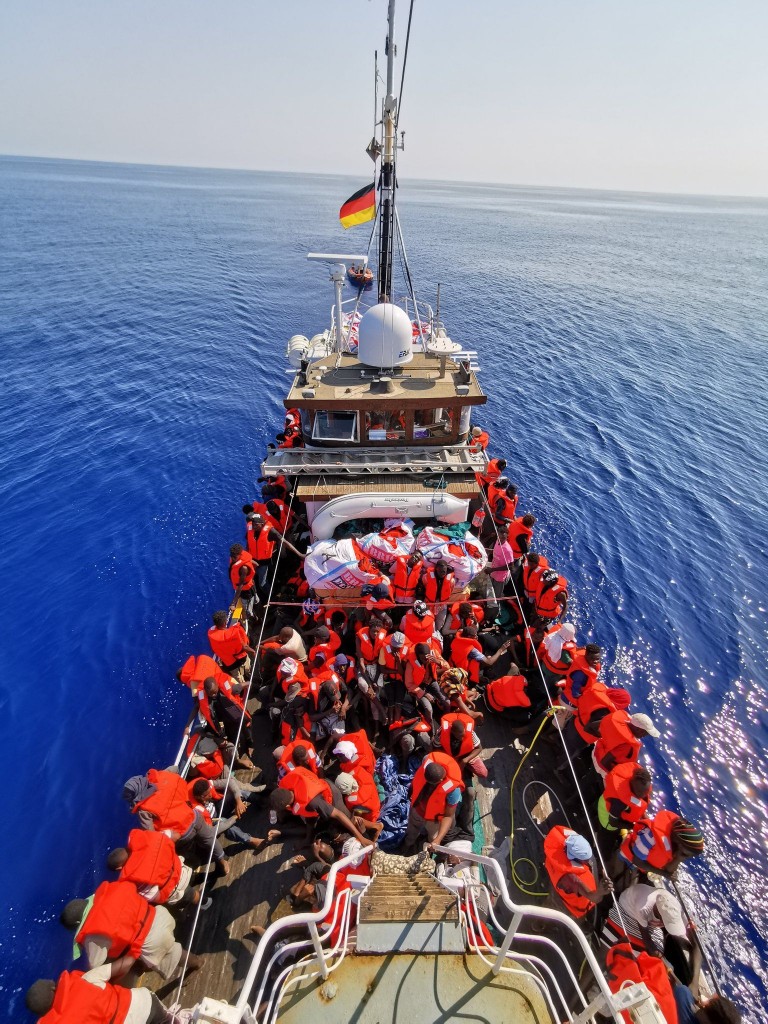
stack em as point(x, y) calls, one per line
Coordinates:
point(432, 423)
point(385, 426)
point(335, 426)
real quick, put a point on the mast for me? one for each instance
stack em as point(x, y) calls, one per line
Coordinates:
point(386, 231)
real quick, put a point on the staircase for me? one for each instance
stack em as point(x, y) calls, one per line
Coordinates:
point(408, 915)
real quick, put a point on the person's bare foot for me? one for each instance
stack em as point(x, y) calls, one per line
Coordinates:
point(255, 931)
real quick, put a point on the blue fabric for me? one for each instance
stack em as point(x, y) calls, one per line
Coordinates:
point(454, 797)
point(686, 1004)
point(396, 805)
point(577, 848)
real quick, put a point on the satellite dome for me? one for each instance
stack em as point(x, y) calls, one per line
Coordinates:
point(384, 336)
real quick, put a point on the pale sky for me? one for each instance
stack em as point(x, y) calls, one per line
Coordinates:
point(651, 95)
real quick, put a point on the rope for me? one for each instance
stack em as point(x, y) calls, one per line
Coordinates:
point(523, 860)
point(405, 61)
point(231, 766)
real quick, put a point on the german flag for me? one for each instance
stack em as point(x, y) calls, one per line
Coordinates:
point(360, 207)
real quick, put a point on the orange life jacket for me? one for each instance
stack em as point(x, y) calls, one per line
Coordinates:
point(436, 803)
point(578, 664)
point(121, 915)
point(479, 443)
point(618, 787)
point(623, 964)
point(299, 676)
point(245, 558)
point(286, 758)
point(547, 605)
point(435, 594)
point(508, 692)
point(152, 860)
point(193, 674)
point(557, 863)
point(209, 767)
point(658, 834)
point(421, 673)
point(327, 647)
point(494, 493)
point(229, 643)
point(457, 623)
point(305, 787)
point(395, 665)
point(517, 530)
point(259, 544)
point(532, 576)
point(365, 755)
point(492, 472)
point(366, 796)
point(558, 668)
point(467, 743)
point(595, 696)
point(169, 804)
point(370, 645)
point(617, 738)
point(503, 510)
point(81, 1002)
point(460, 648)
point(418, 630)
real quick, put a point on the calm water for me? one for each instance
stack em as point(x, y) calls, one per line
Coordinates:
point(143, 319)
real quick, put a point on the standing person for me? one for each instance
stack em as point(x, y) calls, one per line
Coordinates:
point(551, 598)
point(406, 573)
point(438, 583)
point(230, 645)
point(242, 575)
point(263, 543)
point(230, 711)
point(504, 507)
point(478, 439)
point(556, 652)
point(493, 471)
point(502, 559)
point(520, 534)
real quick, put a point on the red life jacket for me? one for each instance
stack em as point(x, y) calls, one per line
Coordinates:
point(478, 613)
point(494, 493)
point(547, 605)
point(169, 804)
point(229, 643)
point(245, 558)
point(460, 648)
point(516, 531)
point(152, 860)
point(80, 1002)
point(286, 758)
point(508, 692)
point(479, 443)
point(558, 668)
point(578, 664)
point(392, 664)
point(659, 830)
point(121, 915)
point(467, 743)
point(436, 804)
point(211, 766)
point(617, 787)
point(193, 674)
point(328, 647)
point(259, 544)
point(418, 630)
point(503, 509)
point(595, 697)
point(366, 796)
point(617, 738)
point(623, 965)
point(370, 645)
point(558, 863)
point(305, 787)
point(492, 472)
point(365, 755)
point(299, 676)
point(532, 576)
point(420, 674)
point(435, 594)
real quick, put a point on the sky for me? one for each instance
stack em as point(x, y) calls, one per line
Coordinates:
point(658, 95)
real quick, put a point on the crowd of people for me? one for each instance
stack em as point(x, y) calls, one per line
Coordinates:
point(375, 709)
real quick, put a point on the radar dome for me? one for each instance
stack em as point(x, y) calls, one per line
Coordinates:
point(384, 336)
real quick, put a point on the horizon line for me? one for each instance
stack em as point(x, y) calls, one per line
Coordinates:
point(337, 174)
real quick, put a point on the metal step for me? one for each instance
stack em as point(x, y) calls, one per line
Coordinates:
point(302, 461)
point(408, 915)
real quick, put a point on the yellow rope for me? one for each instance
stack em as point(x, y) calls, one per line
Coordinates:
point(523, 860)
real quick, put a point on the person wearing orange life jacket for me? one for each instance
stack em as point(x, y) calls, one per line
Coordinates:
point(89, 997)
point(467, 653)
point(623, 964)
point(354, 748)
point(230, 644)
point(520, 533)
point(225, 800)
point(160, 800)
point(379, 599)
point(495, 490)
point(619, 740)
point(206, 759)
point(327, 642)
point(584, 668)
point(297, 753)
point(418, 623)
point(290, 671)
point(277, 514)
point(624, 800)
point(193, 674)
point(406, 573)
point(437, 584)
point(508, 697)
point(493, 470)
point(458, 737)
point(551, 601)
point(478, 439)
point(436, 796)
point(242, 575)
point(149, 860)
point(464, 613)
point(119, 924)
point(230, 714)
point(596, 702)
point(264, 541)
point(661, 843)
point(556, 653)
point(532, 569)
point(315, 800)
point(569, 865)
point(504, 507)
point(361, 798)
point(393, 658)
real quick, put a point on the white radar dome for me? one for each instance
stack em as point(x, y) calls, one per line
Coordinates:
point(385, 336)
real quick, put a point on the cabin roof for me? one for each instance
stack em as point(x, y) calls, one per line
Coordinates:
point(427, 382)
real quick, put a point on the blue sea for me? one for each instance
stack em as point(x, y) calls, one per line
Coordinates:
point(144, 313)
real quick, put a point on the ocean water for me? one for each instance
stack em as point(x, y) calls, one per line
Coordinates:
point(143, 319)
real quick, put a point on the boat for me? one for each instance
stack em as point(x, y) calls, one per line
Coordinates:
point(381, 456)
point(360, 277)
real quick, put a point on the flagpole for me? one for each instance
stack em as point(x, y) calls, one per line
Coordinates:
point(388, 165)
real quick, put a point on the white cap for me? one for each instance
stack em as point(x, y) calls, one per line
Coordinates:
point(346, 749)
point(671, 915)
point(644, 722)
point(346, 783)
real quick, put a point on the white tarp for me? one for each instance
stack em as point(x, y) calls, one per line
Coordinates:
point(394, 540)
point(466, 557)
point(333, 565)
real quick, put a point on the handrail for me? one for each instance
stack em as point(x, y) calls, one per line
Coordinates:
point(519, 910)
point(293, 921)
